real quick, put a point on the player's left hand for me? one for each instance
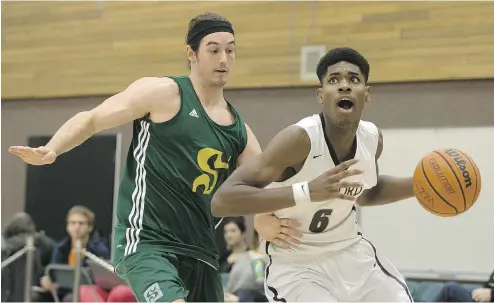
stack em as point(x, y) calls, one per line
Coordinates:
point(482, 295)
point(281, 232)
point(35, 156)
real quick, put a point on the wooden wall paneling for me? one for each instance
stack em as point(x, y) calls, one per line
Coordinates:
point(52, 49)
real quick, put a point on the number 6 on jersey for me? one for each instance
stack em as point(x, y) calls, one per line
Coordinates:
point(320, 220)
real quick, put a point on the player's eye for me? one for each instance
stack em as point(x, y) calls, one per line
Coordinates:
point(355, 79)
point(333, 80)
point(214, 51)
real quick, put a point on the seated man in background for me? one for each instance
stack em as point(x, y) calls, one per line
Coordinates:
point(454, 292)
point(80, 222)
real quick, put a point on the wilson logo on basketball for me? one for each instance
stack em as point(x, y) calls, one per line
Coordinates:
point(461, 163)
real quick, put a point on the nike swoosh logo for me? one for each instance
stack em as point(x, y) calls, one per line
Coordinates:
point(313, 157)
point(303, 188)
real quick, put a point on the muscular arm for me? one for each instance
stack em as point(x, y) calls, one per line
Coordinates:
point(244, 193)
point(252, 148)
point(134, 102)
point(389, 189)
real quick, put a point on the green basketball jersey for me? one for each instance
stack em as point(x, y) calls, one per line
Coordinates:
point(172, 171)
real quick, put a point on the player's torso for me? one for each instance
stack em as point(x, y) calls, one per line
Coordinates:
point(172, 171)
point(329, 225)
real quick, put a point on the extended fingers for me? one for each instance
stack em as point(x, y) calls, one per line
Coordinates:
point(288, 235)
point(289, 223)
point(287, 239)
point(344, 174)
point(291, 232)
point(344, 165)
point(18, 150)
point(346, 184)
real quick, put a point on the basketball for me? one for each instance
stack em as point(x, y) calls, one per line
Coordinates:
point(446, 182)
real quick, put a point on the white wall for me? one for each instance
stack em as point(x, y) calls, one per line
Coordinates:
point(414, 239)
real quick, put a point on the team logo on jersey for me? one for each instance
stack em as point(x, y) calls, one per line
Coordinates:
point(153, 293)
point(194, 113)
point(210, 176)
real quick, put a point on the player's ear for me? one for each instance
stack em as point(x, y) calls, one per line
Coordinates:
point(367, 93)
point(319, 95)
point(191, 54)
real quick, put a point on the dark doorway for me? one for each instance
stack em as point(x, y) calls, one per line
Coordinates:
point(83, 176)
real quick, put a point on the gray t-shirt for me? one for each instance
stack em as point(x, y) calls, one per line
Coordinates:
point(247, 273)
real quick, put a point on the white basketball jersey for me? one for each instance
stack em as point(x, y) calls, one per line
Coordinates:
point(330, 225)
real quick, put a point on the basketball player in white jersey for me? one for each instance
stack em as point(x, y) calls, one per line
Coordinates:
point(325, 164)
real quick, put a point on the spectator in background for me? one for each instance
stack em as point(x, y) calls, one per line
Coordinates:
point(80, 222)
point(14, 239)
point(234, 233)
point(454, 292)
point(16, 232)
point(245, 267)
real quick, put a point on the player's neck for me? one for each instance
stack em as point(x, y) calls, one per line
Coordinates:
point(341, 138)
point(208, 95)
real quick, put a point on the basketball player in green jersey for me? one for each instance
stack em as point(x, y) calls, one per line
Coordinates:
point(186, 141)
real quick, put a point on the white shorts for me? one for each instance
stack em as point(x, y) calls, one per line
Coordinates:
point(356, 273)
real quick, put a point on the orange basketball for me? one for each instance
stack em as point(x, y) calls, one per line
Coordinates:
point(446, 182)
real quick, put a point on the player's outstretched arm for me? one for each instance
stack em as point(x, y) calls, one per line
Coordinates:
point(244, 193)
point(389, 189)
point(134, 102)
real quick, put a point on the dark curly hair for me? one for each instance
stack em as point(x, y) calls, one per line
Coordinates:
point(340, 54)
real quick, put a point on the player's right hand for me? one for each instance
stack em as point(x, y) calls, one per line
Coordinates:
point(328, 184)
point(34, 155)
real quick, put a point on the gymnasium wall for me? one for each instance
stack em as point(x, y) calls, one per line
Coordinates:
point(419, 241)
point(59, 49)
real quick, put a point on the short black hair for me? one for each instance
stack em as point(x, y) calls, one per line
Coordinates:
point(340, 54)
point(201, 18)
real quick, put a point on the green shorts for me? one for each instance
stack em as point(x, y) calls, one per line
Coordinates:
point(165, 277)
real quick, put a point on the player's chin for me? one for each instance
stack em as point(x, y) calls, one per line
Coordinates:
point(345, 120)
point(219, 81)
